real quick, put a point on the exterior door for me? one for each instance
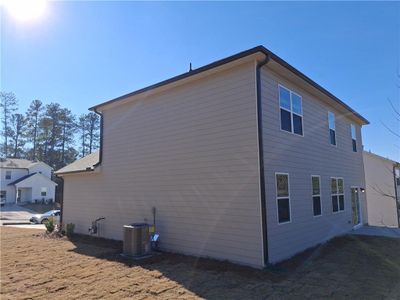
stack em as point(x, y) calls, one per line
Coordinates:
point(19, 192)
point(355, 206)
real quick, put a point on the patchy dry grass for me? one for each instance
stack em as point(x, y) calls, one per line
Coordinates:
point(33, 267)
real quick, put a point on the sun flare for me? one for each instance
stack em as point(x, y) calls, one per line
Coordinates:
point(25, 10)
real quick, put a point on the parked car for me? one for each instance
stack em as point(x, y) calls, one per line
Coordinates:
point(41, 218)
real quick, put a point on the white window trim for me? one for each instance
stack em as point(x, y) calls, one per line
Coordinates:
point(290, 111)
point(329, 130)
point(320, 196)
point(338, 194)
point(286, 197)
point(43, 189)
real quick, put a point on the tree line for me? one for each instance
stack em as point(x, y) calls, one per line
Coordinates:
point(46, 132)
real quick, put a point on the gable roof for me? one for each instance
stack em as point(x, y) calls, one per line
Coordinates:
point(19, 163)
point(258, 49)
point(21, 179)
point(381, 157)
point(85, 164)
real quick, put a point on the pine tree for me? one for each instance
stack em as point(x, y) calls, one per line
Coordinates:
point(83, 133)
point(18, 134)
point(33, 117)
point(68, 128)
point(93, 121)
point(43, 138)
point(8, 105)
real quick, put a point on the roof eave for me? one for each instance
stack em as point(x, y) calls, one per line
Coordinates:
point(229, 59)
point(185, 75)
point(315, 85)
point(74, 172)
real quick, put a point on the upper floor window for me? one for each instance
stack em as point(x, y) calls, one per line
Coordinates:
point(8, 174)
point(316, 195)
point(291, 111)
point(337, 192)
point(283, 197)
point(332, 128)
point(353, 137)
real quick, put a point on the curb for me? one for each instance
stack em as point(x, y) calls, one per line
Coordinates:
point(16, 223)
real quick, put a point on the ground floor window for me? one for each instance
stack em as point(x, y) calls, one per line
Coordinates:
point(283, 197)
point(316, 195)
point(337, 193)
point(3, 195)
point(43, 191)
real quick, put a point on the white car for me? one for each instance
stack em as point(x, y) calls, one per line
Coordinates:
point(41, 218)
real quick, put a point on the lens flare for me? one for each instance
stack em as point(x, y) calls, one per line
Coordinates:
point(24, 10)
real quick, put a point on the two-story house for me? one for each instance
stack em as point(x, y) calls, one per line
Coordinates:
point(24, 181)
point(245, 159)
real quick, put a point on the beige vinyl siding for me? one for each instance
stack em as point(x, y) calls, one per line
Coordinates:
point(302, 157)
point(380, 191)
point(191, 152)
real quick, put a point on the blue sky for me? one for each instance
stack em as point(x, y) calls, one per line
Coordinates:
point(83, 53)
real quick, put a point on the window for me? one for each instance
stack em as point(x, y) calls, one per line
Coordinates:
point(8, 174)
point(332, 130)
point(43, 191)
point(3, 195)
point(353, 137)
point(316, 195)
point(283, 197)
point(291, 111)
point(337, 192)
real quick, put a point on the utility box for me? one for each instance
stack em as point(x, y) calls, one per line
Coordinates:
point(136, 240)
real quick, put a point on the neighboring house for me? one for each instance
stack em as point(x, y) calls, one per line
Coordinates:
point(382, 182)
point(23, 181)
point(245, 159)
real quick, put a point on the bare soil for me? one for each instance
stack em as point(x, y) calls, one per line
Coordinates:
point(33, 267)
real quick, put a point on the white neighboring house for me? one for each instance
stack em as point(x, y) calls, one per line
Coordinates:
point(382, 182)
point(24, 181)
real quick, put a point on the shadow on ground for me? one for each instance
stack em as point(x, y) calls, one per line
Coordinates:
point(347, 266)
point(34, 266)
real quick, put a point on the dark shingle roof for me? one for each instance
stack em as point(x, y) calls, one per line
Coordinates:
point(21, 179)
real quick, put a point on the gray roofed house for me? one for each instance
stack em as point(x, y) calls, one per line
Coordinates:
point(16, 163)
point(245, 159)
point(22, 180)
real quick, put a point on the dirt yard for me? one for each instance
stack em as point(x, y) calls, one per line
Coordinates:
point(33, 267)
